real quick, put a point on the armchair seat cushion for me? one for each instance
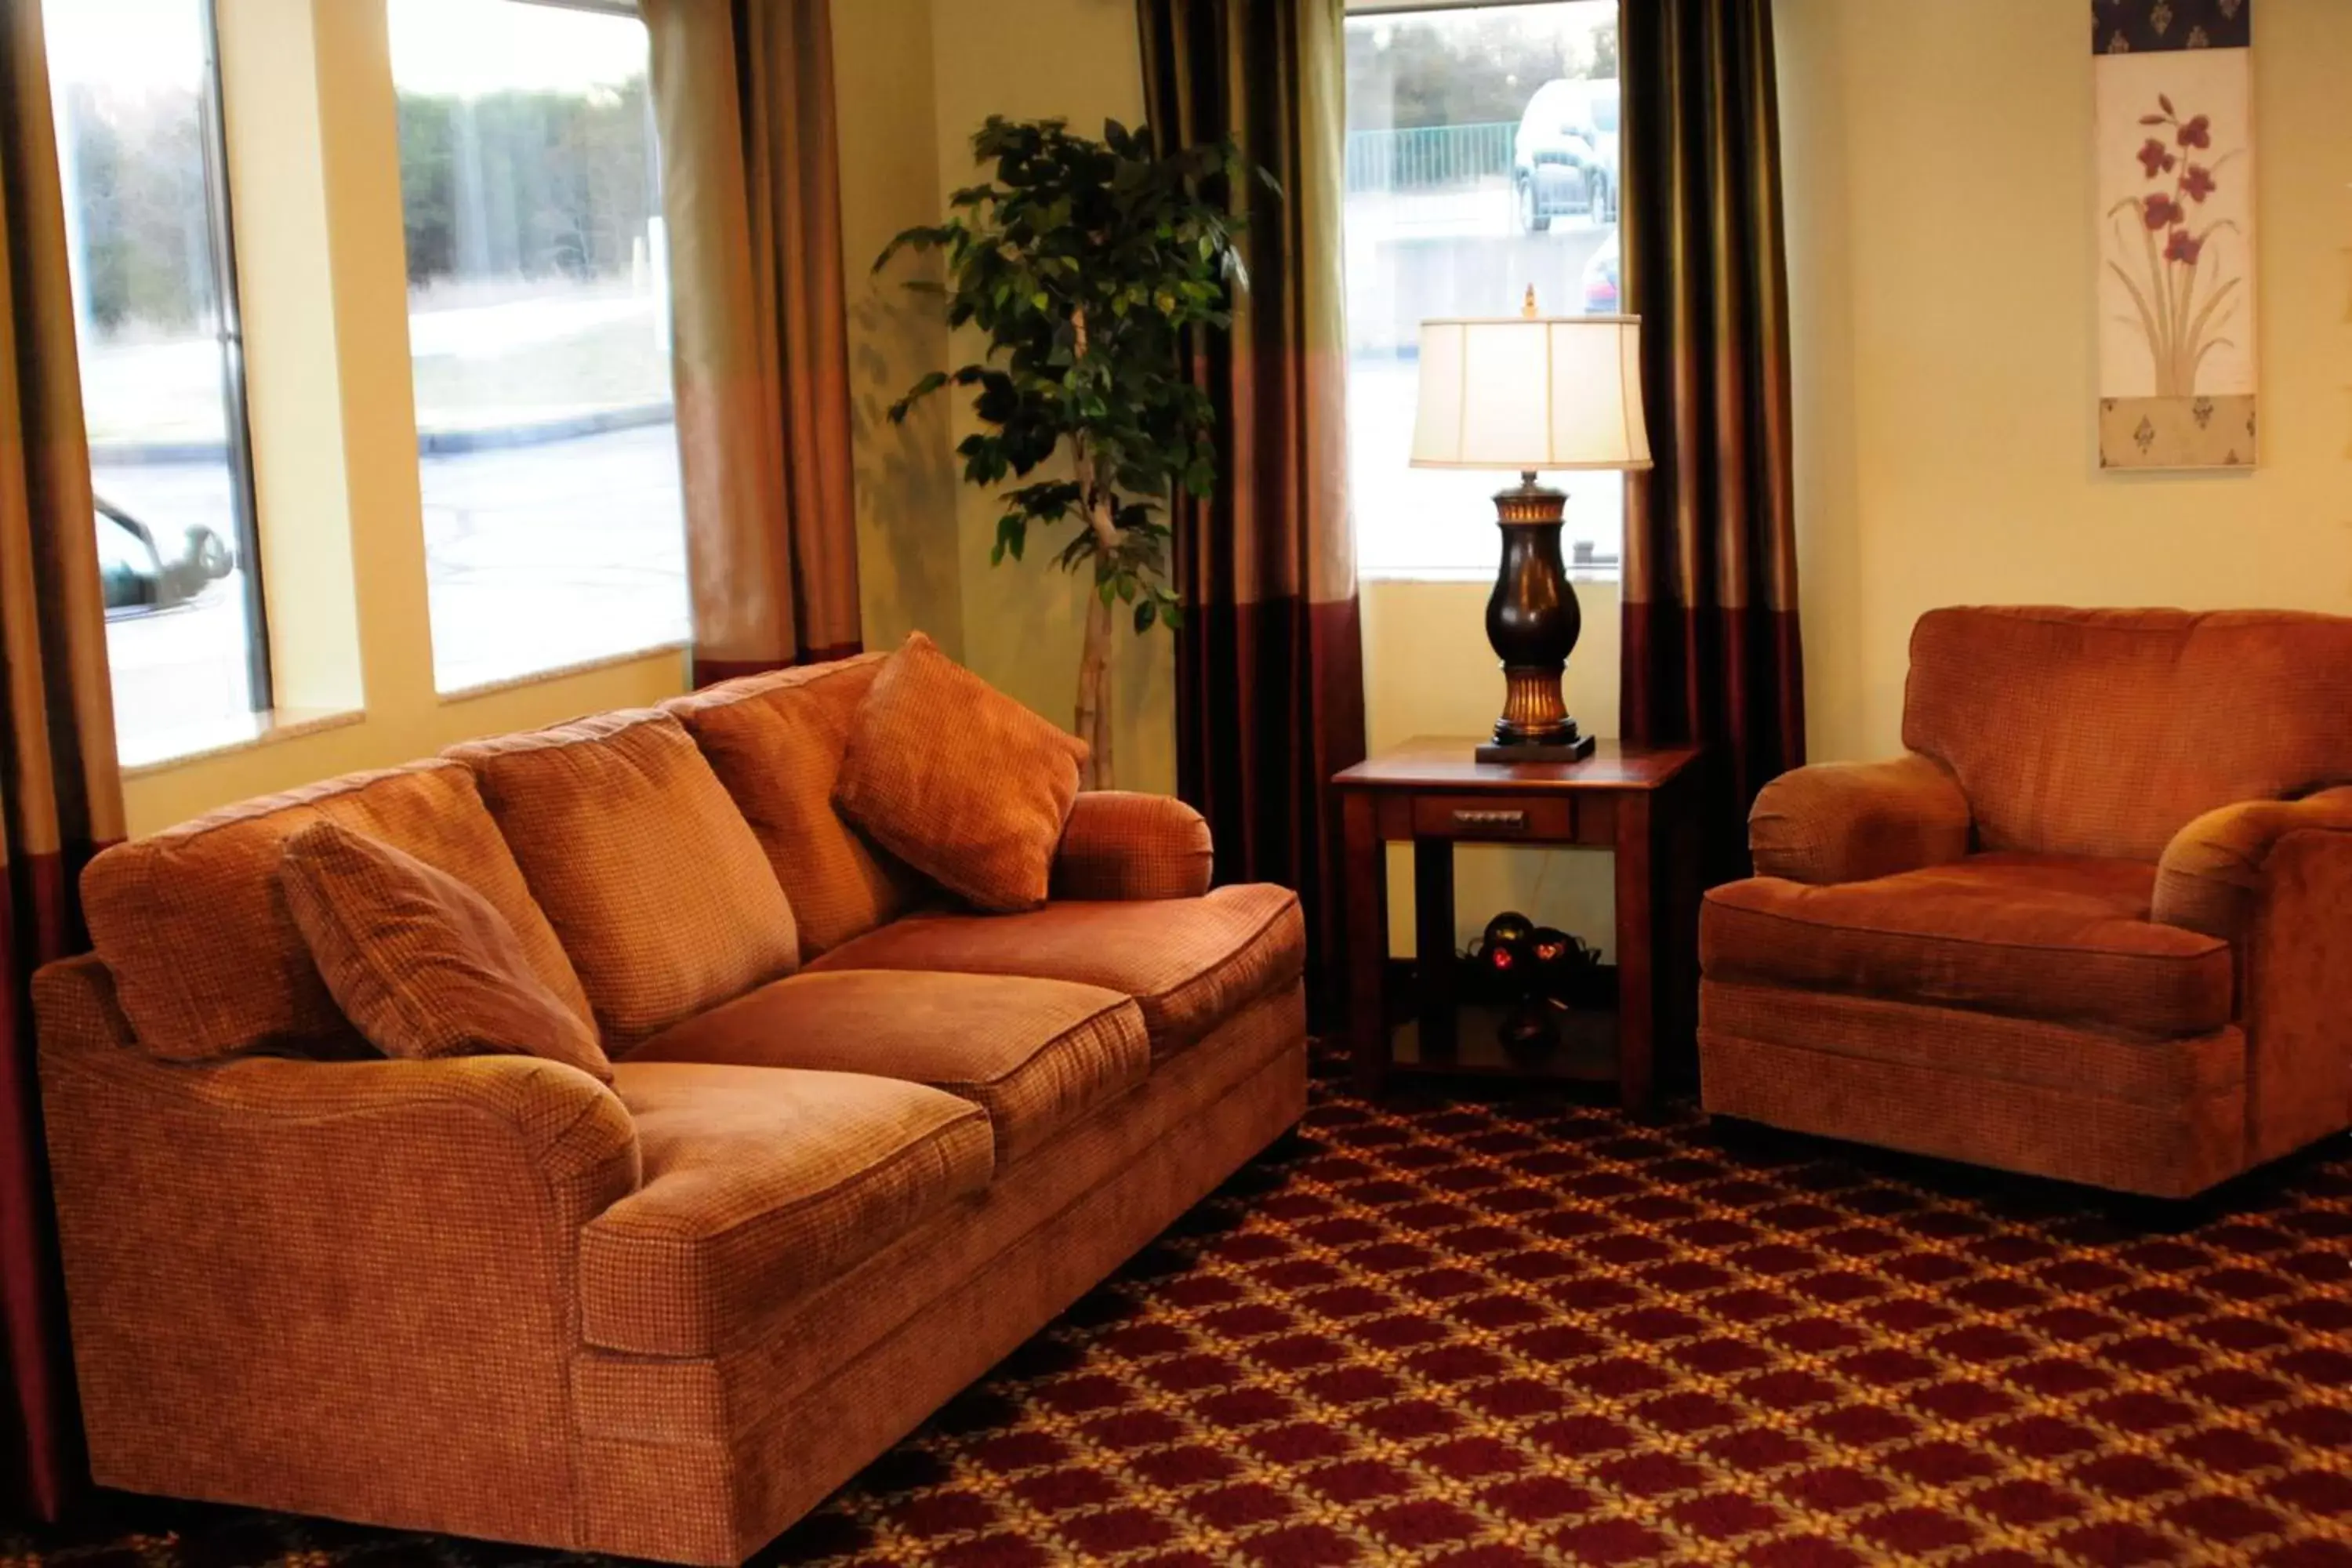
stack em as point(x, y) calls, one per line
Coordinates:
point(1036, 1055)
point(1190, 963)
point(2063, 939)
point(760, 1184)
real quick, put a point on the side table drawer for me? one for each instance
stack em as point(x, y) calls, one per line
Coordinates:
point(1494, 819)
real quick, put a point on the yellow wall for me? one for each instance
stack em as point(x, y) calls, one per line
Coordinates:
point(315, 166)
point(916, 80)
point(1942, 254)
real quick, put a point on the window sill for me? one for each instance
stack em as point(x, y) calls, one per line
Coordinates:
point(1595, 574)
point(564, 671)
point(181, 746)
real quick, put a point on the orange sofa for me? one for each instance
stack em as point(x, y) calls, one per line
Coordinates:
point(2096, 925)
point(859, 1144)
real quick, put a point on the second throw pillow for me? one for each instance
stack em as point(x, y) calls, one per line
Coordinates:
point(958, 780)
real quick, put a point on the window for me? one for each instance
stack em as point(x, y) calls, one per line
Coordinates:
point(1482, 160)
point(135, 91)
point(538, 323)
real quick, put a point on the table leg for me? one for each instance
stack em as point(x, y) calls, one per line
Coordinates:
point(1432, 924)
point(1366, 921)
point(1637, 977)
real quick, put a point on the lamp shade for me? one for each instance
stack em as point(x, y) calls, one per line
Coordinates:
point(1531, 393)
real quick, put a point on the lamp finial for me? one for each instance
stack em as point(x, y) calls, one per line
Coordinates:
point(1528, 306)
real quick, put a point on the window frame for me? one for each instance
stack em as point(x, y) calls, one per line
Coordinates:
point(228, 335)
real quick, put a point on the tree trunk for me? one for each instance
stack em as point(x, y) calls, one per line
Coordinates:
point(1093, 725)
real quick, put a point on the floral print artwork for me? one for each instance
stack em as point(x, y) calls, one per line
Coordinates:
point(2177, 240)
point(2180, 324)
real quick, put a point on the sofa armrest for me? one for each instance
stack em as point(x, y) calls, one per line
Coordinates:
point(1119, 846)
point(358, 1267)
point(2210, 878)
point(1849, 822)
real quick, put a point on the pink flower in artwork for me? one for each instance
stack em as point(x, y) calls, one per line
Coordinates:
point(2197, 132)
point(2161, 211)
point(2184, 248)
point(2198, 183)
point(2155, 158)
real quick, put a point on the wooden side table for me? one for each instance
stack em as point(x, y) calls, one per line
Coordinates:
point(1639, 801)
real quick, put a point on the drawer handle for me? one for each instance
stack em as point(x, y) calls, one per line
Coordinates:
point(1513, 820)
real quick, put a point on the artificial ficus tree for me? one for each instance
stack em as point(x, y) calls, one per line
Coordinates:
point(1084, 265)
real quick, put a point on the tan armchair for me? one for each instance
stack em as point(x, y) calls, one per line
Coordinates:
point(2096, 925)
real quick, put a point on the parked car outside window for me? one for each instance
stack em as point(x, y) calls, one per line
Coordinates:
point(139, 576)
point(1564, 160)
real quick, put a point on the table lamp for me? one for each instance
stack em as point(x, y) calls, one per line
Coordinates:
point(1531, 393)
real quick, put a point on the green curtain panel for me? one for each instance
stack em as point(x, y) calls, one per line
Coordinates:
point(752, 192)
point(60, 791)
point(1269, 665)
point(1711, 645)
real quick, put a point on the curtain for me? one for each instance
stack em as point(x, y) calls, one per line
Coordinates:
point(1711, 647)
point(1269, 663)
point(60, 794)
point(751, 197)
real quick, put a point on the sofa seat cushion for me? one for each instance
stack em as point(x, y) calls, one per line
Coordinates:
point(760, 1184)
point(2066, 940)
point(1190, 963)
point(1036, 1055)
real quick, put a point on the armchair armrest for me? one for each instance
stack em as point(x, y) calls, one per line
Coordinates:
point(1849, 822)
point(1119, 845)
point(359, 1268)
point(2210, 878)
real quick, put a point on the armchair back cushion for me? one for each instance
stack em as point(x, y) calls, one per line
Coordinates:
point(645, 866)
point(2102, 732)
point(205, 956)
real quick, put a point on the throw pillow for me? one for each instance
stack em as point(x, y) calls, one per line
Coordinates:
point(421, 963)
point(958, 780)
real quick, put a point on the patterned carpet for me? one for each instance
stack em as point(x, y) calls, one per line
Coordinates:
point(1527, 1331)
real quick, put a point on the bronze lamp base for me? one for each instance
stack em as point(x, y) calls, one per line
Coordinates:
point(1533, 621)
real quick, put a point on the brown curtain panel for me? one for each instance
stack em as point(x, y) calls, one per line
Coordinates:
point(1711, 649)
point(751, 194)
point(1269, 664)
point(60, 794)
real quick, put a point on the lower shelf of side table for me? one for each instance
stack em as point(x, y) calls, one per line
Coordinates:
point(1586, 1051)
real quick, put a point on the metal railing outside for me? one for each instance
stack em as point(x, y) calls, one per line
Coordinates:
point(1429, 158)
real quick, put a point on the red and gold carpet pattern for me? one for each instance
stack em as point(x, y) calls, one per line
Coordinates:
point(1526, 1331)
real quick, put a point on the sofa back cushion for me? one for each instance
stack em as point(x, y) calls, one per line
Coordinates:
point(2106, 731)
point(776, 741)
point(194, 928)
point(650, 875)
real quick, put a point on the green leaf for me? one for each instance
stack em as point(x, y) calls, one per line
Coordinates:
point(1145, 614)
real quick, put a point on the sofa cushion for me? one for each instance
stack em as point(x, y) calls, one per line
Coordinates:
point(2035, 937)
point(1036, 1055)
point(205, 957)
point(760, 1184)
point(1190, 963)
point(648, 873)
point(776, 741)
point(420, 962)
point(958, 780)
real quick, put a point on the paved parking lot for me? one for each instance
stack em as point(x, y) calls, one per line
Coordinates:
point(535, 556)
